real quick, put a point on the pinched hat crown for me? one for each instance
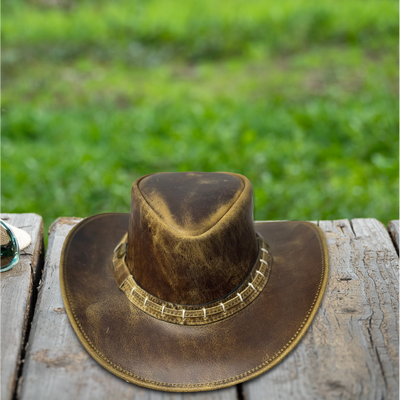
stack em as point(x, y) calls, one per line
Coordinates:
point(191, 235)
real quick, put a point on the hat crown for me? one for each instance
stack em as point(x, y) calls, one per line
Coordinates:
point(191, 235)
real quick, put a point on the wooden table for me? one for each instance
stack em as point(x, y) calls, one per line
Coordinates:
point(349, 352)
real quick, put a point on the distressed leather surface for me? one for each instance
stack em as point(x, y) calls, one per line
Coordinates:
point(191, 202)
point(191, 236)
point(232, 303)
point(165, 356)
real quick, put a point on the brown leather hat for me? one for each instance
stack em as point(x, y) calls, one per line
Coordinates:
point(186, 293)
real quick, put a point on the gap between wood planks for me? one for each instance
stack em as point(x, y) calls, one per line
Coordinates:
point(36, 277)
point(240, 392)
point(36, 284)
point(19, 293)
point(393, 228)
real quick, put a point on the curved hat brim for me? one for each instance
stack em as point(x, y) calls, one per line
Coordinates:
point(165, 356)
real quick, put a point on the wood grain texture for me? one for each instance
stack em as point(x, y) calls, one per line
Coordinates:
point(57, 366)
point(394, 233)
point(351, 348)
point(17, 295)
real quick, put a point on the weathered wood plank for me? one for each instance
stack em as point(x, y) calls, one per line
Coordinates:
point(18, 288)
point(57, 366)
point(394, 232)
point(351, 348)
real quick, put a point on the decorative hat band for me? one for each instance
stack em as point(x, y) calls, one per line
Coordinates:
point(235, 301)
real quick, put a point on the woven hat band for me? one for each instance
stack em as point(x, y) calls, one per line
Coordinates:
point(218, 310)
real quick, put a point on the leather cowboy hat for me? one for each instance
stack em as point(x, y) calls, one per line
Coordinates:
point(186, 292)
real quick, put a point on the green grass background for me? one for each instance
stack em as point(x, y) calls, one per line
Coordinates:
point(301, 96)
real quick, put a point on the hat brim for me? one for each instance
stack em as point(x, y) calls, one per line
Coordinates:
point(170, 357)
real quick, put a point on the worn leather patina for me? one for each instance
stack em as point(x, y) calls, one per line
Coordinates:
point(184, 314)
point(165, 223)
point(194, 233)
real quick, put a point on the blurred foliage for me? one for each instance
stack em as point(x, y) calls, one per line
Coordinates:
point(301, 96)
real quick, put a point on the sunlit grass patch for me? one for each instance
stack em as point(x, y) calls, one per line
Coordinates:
point(148, 32)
